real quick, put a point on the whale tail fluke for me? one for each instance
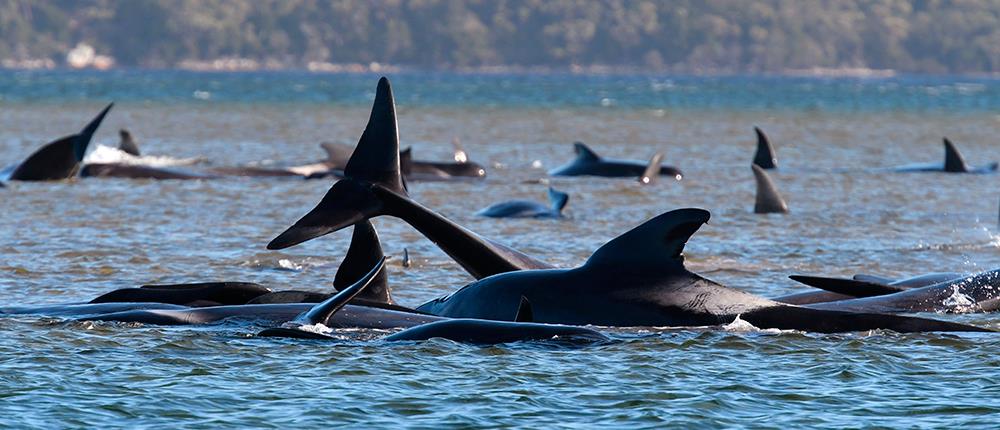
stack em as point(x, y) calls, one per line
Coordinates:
point(373, 164)
point(953, 160)
point(652, 170)
point(768, 199)
point(655, 244)
point(583, 152)
point(126, 143)
point(765, 152)
point(364, 253)
point(558, 199)
point(847, 287)
point(59, 159)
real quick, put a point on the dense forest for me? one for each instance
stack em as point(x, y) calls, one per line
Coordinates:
point(760, 36)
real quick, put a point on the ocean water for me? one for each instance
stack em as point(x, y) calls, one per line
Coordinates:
point(70, 241)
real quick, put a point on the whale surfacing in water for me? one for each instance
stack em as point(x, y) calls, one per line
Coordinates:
point(588, 163)
point(639, 279)
point(953, 163)
point(528, 208)
point(59, 159)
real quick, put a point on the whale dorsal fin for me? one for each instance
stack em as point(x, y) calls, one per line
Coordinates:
point(655, 244)
point(652, 170)
point(59, 159)
point(765, 152)
point(337, 153)
point(460, 155)
point(953, 161)
point(524, 312)
point(406, 161)
point(558, 200)
point(376, 158)
point(847, 287)
point(126, 143)
point(583, 152)
point(365, 251)
point(768, 199)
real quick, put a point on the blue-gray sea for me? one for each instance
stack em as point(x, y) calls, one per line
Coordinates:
point(72, 240)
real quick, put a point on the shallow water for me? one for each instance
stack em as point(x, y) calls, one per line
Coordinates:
point(70, 241)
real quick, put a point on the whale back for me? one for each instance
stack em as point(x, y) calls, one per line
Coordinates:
point(365, 251)
point(765, 152)
point(953, 160)
point(768, 199)
point(59, 159)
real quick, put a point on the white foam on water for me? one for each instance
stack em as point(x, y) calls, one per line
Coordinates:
point(960, 302)
point(108, 154)
point(739, 325)
point(317, 328)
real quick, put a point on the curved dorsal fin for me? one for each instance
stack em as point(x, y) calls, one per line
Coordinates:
point(364, 252)
point(583, 152)
point(655, 244)
point(765, 152)
point(126, 143)
point(460, 155)
point(524, 312)
point(558, 200)
point(652, 170)
point(847, 287)
point(376, 158)
point(406, 161)
point(59, 159)
point(768, 199)
point(953, 161)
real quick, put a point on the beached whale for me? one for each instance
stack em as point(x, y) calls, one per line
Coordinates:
point(528, 208)
point(588, 163)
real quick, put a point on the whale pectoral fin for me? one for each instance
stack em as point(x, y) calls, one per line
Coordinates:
point(765, 152)
point(365, 251)
point(654, 243)
point(558, 199)
point(583, 152)
point(953, 160)
point(768, 200)
point(652, 171)
point(524, 312)
point(848, 287)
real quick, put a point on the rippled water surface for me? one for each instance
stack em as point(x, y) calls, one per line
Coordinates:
point(70, 241)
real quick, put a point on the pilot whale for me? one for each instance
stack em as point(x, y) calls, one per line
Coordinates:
point(61, 158)
point(834, 289)
point(953, 163)
point(528, 208)
point(587, 162)
point(639, 279)
point(311, 324)
point(373, 186)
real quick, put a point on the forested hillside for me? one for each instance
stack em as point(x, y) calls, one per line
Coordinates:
point(926, 36)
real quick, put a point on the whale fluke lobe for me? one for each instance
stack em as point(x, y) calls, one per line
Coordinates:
point(374, 163)
point(524, 312)
point(558, 200)
point(652, 170)
point(126, 143)
point(657, 243)
point(365, 251)
point(847, 287)
point(953, 160)
point(765, 152)
point(376, 158)
point(768, 199)
point(59, 159)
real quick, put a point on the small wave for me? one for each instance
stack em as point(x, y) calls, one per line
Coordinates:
point(739, 325)
point(107, 154)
